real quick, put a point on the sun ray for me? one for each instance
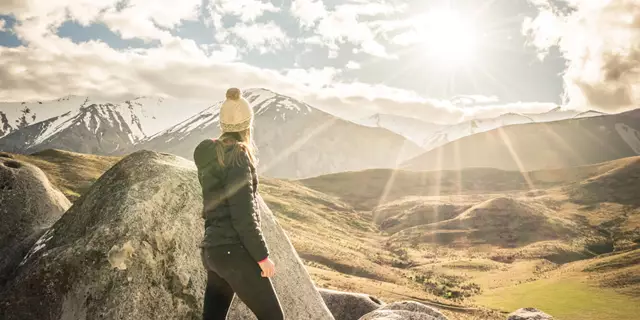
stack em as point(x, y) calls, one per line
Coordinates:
point(561, 141)
point(458, 166)
point(525, 174)
point(392, 177)
point(298, 143)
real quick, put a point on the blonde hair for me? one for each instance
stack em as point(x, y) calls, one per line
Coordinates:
point(242, 143)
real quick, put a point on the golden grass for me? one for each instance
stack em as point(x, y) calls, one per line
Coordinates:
point(73, 173)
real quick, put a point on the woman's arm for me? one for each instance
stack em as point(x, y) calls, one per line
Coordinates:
point(244, 215)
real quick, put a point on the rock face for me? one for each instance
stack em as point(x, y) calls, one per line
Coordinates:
point(127, 249)
point(349, 306)
point(299, 297)
point(529, 314)
point(405, 310)
point(29, 205)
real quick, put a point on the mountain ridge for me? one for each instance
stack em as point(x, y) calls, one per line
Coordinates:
point(532, 146)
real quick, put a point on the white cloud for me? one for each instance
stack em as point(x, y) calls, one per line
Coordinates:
point(353, 65)
point(474, 100)
point(246, 10)
point(344, 25)
point(2, 24)
point(600, 41)
point(138, 19)
point(313, 78)
point(223, 53)
point(406, 38)
point(48, 66)
point(266, 37)
point(308, 12)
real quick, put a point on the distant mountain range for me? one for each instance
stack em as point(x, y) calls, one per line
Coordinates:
point(430, 135)
point(85, 125)
point(295, 140)
point(533, 146)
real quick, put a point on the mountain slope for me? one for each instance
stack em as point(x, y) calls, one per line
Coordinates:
point(84, 125)
point(540, 145)
point(294, 139)
point(413, 129)
point(430, 135)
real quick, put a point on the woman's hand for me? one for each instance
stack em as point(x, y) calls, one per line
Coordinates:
point(268, 268)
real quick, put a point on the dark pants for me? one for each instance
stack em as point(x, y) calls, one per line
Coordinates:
point(230, 269)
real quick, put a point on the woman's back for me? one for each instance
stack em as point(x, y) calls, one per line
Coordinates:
point(234, 251)
point(229, 188)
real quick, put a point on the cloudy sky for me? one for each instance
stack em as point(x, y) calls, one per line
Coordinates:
point(435, 59)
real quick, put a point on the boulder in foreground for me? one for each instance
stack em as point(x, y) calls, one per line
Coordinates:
point(29, 205)
point(349, 306)
point(405, 310)
point(127, 249)
point(529, 314)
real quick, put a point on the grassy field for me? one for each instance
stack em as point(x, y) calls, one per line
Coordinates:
point(73, 173)
point(472, 239)
point(565, 299)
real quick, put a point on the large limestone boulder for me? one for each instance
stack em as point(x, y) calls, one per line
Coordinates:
point(29, 205)
point(298, 295)
point(127, 249)
point(349, 306)
point(529, 314)
point(405, 310)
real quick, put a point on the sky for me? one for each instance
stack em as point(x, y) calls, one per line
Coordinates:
point(439, 60)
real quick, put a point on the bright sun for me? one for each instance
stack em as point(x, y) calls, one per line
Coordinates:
point(447, 37)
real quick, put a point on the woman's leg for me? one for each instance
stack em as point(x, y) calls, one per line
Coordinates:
point(242, 273)
point(258, 294)
point(217, 295)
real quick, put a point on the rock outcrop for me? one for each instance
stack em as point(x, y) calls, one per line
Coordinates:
point(298, 295)
point(29, 205)
point(529, 314)
point(128, 249)
point(405, 310)
point(349, 306)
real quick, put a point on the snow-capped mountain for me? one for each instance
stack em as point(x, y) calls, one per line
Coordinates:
point(294, 139)
point(85, 125)
point(559, 113)
point(413, 129)
point(429, 135)
point(580, 140)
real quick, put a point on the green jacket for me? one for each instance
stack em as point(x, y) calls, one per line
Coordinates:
point(230, 206)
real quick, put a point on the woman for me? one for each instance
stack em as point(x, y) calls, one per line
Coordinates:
point(234, 251)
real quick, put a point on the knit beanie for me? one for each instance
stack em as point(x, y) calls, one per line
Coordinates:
point(235, 113)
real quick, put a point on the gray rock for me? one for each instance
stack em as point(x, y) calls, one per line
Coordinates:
point(29, 205)
point(396, 315)
point(349, 306)
point(405, 310)
point(529, 314)
point(299, 297)
point(127, 249)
